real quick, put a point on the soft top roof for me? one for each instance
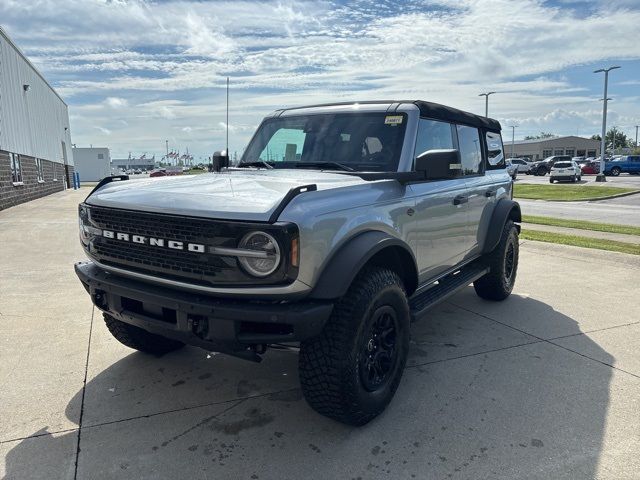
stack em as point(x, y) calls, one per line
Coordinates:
point(430, 110)
point(442, 112)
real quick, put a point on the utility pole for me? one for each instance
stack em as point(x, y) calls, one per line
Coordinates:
point(227, 143)
point(637, 135)
point(603, 146)
point(486, 102)
point(513, 137)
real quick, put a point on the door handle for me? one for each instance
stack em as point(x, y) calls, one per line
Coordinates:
point(490, 193)
point(460, 199)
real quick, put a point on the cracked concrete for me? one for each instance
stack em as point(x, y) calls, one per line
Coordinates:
point(543, 385)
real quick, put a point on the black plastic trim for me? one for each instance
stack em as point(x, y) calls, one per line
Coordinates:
point(106, 180)
point(291, 194)
point(501, 213)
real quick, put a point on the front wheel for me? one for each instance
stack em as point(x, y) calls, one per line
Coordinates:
point(550, 179)
point(351, 371)
point(503, 265)
point(615, 171)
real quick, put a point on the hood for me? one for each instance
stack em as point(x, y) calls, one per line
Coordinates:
point(249, 195)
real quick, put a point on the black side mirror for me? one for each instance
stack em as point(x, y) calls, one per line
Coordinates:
point(219, 160)
point(439, 164)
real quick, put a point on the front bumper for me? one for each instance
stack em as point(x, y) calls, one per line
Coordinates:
point(221, 325)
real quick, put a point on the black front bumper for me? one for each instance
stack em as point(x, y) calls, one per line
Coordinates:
point(221, 325)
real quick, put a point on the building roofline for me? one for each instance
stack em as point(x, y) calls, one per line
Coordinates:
point(4, 34)
point(559, 137)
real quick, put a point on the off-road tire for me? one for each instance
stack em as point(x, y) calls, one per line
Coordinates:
point(331, 365)
point(139, 339)
point(498, 283)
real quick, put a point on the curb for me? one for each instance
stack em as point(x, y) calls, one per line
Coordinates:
point(617, 195)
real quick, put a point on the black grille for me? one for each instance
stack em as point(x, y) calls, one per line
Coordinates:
point(199, 268)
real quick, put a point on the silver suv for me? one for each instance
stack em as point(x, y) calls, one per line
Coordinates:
point(341, 224)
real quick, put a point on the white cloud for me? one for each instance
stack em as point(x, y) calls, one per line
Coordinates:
point(116, 102)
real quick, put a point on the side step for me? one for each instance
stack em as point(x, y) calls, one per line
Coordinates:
point(444, 288)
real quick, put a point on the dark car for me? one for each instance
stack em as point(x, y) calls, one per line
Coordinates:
point(543, 167)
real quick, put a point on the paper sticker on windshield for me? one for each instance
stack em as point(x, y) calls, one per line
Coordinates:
point(393, 120)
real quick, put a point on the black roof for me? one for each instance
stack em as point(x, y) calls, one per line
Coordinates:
point(431, 110)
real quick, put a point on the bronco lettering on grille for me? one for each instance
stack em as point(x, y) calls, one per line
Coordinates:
point(155, 242)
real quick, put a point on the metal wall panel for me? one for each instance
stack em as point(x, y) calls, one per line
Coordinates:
point(32, 122)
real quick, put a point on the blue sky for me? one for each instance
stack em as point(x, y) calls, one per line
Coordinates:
point(137, 72)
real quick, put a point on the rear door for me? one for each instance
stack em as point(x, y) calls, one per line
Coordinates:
point(440, 221)
point(482, 185)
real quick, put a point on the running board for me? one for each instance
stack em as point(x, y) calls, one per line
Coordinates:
point(444, 288)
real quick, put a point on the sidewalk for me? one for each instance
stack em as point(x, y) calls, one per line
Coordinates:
point(618, 237)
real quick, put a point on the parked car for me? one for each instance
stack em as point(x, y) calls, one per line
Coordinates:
point(512, 169)
point(565, 171)
point(158, 173)
point(369, 217)
point(543, 167)
point(522, 166)
point(590, 168)
point(579, 159)
point(625, 164)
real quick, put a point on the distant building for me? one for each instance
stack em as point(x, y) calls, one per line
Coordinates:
point(35, 140)
point(132, 163)
point(545, 147)
point(92, 164)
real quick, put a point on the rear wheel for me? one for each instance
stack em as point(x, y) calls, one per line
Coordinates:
point(351, 371)
point(550, 179)
point(139, 339)
point(615, 171)
point(503, 264)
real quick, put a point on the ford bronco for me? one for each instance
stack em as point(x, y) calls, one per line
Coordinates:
point(341, 224)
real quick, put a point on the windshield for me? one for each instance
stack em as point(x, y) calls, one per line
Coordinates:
point(357, 141)
point(562, 165)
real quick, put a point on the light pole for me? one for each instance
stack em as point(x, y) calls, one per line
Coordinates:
point(637, 135)
point(601, 177)
point(486, 102)
point(513, 137)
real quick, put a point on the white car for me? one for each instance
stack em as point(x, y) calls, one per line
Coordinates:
point(568, 171)
point(521, 165)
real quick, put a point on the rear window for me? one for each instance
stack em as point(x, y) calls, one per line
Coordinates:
point(562, 165)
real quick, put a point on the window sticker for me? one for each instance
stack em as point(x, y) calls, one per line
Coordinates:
point(393, 120)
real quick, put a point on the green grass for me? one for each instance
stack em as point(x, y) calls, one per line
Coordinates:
point(582, 225)
point(577, 241)
point(566, 192)
point(194, 172)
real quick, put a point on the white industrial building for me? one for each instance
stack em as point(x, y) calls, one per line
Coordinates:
point(92, 164)
point(35, 140)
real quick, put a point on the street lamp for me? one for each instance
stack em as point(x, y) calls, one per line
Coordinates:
point(513, 137)
point(601, 177)
point(486, 102)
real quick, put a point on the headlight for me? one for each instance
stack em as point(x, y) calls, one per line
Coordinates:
point(262, 254)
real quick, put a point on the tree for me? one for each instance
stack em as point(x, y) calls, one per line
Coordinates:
point(621, 139)
point(542, 135)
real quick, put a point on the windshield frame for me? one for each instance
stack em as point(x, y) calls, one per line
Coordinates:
point(396, 163)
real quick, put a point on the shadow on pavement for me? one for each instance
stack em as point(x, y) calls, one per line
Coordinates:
point(480, 400)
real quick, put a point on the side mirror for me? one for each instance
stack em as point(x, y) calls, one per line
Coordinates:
point(219, 160)
point(439, 164)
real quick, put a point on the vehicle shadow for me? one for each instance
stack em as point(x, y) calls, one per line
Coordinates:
point(479, 399)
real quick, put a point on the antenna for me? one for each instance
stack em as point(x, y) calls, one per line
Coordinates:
point(227, 145)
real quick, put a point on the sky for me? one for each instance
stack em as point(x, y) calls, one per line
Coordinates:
point(138, 72)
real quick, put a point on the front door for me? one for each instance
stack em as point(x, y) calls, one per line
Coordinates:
point(440, 222)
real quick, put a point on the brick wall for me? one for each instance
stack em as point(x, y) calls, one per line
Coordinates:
point(11, 195)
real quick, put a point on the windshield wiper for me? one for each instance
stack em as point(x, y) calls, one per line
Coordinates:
point(333, 165)
point(258, 163)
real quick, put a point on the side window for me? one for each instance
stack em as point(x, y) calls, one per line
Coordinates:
point(433, 135)
point(469, 145)
point(16, 168)
point(285, 145)
point(39, 170)
point(495, 151)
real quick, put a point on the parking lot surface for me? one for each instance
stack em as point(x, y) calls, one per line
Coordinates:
point(545, 385)
point(623, 181)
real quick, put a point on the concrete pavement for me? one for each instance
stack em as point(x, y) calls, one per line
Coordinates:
point(543, 385)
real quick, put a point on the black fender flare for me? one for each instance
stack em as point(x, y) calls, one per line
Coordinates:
point(343, 266)
point(504, 210)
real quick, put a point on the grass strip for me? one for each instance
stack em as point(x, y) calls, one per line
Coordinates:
point(578, 241)
point(582, 225)
point(566, 192)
